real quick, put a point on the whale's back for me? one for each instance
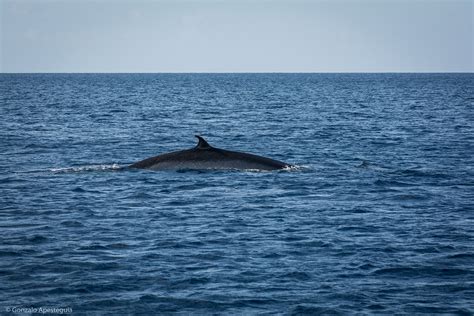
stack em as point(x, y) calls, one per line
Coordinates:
point(213, 158)
point(204, 156)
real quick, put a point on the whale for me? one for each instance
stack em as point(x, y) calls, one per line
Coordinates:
point(204, 157)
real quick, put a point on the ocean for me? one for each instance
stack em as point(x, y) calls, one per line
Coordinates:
point(377, 218)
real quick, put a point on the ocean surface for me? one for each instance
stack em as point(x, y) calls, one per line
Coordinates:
point(377, 218)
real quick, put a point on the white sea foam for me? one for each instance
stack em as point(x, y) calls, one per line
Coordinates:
point(86, 168)
point(287, 168)
point(296, 168)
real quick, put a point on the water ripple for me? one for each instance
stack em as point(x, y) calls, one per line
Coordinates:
point(375, 219)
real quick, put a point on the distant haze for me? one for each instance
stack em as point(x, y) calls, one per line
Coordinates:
point(236, 36)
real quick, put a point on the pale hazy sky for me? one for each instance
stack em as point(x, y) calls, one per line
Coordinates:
point(236, 36)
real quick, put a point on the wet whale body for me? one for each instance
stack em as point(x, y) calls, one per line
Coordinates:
point(204, 156)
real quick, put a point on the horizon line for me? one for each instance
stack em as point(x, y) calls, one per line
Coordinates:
point(250, 72)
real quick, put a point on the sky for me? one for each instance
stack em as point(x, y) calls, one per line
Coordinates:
point(236, 36)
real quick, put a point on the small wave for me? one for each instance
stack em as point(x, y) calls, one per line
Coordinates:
point(363, 164)
point(423, 173)
point(72, 223)
point(313, 310)
point(285, 169)
point(253, 170)
point(410, 197)
point(420, 271)
point(296, 168)
point(292, 168)
point(37, 239)
point(86, 168)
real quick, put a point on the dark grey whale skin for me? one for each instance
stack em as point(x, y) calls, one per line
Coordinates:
point(204, 156)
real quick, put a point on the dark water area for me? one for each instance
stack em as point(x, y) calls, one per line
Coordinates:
point(378, 218)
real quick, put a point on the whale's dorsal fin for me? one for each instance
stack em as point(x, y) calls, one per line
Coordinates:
point(202, 143)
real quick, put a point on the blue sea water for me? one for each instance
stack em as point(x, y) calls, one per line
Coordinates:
point(378, 218)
